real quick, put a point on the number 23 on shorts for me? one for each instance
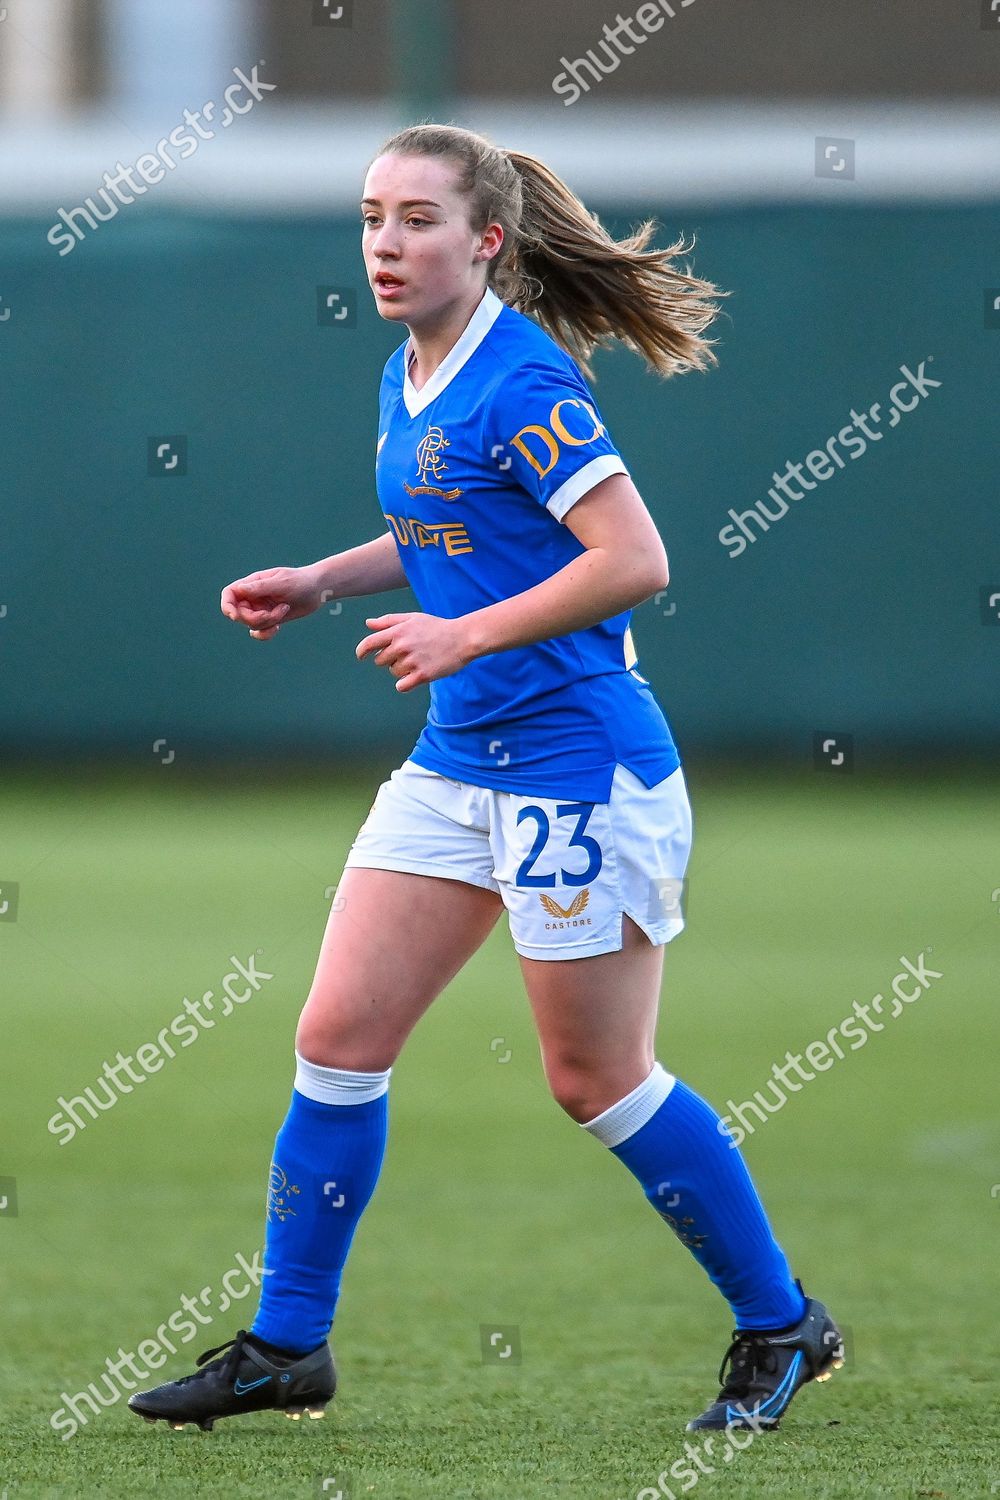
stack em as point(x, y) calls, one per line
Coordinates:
point(578, 839)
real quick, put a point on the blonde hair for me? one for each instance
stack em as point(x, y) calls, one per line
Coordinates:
point(561, 265)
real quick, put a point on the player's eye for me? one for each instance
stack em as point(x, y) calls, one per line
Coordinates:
point(366, 219)
point(418, 222)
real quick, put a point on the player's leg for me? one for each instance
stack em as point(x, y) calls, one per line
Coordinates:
point(595, 1018)
point(394, 940)
point(596, 1021)
point(593, 973)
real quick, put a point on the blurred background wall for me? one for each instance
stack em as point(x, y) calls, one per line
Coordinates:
point(181, 405)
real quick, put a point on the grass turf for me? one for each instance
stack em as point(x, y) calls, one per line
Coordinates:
point(493, 1207)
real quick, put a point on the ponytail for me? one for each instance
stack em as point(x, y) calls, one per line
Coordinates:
point(561, 265)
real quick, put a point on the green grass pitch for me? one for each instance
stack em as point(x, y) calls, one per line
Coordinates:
point(882, 1176)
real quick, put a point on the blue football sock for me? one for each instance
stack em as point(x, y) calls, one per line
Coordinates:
point(327, 1159)
point(697, 1181)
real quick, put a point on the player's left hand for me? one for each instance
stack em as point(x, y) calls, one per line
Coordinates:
point(417, 648)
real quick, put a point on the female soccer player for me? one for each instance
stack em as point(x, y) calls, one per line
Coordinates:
point(545, 781)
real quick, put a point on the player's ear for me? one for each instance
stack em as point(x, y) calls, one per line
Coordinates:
point(490, 242)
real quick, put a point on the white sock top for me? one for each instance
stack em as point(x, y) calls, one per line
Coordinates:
point(630, 1114)
point(338, 1085)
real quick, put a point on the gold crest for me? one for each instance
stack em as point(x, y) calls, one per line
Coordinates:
point(430, 461)
point(278, 1191)
point(576, 906)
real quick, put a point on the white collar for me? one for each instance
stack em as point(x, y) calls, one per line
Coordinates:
point(476, 329)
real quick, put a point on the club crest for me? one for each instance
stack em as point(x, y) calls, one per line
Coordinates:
point(279, 1190)
point(431, 465)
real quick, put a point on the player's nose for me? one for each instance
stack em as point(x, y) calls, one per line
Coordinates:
point(385, 242)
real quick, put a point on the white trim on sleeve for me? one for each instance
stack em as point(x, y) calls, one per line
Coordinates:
point(578, 484)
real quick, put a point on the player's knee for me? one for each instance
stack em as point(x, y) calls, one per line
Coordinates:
point(330, 1044)
point(316, 1046)
point(584, 1092)
point(586, 1089)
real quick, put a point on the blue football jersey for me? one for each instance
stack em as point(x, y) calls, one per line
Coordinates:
point(475, 473)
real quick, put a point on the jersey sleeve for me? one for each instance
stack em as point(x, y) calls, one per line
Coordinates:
point(547, 436)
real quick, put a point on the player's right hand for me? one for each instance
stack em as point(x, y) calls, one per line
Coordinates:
point(265, 601)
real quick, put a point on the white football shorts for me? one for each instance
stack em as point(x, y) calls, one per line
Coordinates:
point(566, 871)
